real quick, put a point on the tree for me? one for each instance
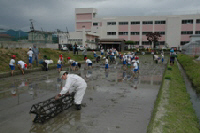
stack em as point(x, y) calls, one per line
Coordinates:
point(153, 37)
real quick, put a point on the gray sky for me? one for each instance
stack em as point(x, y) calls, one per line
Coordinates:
point(57, 14)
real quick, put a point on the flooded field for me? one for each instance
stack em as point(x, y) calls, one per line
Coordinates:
point(113, 103)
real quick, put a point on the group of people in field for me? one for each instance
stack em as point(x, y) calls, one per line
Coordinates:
point(32, 54)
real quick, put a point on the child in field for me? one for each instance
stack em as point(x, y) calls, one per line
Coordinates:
point(106, 63)
point(72, 63)
point(12, 64)
point(61, 59)
point(124, 61)
point(30, 55)
point(102, 52)
point(162, 57)
point(95, 55)
point(89, 63)
point(138, 62)
point(78, 66)
point(135, 67)
point(22, 66)
point(129, 62)
point(59, 65)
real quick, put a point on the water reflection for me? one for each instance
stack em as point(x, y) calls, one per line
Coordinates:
point(69, 119)
point(88, 74)
point(106, 74)
point(135, 83)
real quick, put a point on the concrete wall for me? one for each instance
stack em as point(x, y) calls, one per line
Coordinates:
point(26, 45)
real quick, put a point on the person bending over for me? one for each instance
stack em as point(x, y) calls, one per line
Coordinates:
point(73, 83)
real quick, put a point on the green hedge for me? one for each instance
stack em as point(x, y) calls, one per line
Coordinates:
point(192, 70)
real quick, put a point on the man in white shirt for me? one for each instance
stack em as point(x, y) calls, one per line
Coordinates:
point(74, 83)
point(30, 55)
point(89, 63)
point(22, 66)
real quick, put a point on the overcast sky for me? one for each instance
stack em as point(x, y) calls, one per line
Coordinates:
point(57, 14)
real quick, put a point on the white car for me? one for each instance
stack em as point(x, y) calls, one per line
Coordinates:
point(80, 48)
point(64, 48)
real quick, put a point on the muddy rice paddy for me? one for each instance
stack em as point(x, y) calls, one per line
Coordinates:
point(113, 103)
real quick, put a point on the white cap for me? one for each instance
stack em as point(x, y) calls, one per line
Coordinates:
point(133, 60)
point(61, 74)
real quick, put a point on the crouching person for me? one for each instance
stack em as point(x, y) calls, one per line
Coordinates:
point(74, 83)
point(89, 63)
point(22, 66)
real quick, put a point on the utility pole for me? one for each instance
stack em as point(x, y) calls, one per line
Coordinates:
point(32, 28)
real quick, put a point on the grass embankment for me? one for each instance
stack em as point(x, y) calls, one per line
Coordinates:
point(179, 115)
point(21, 54)
point(192, 70)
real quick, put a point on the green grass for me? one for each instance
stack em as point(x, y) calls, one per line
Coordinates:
point(21, 54)
point(158, 99)
point(192, 70)
point(180, 116)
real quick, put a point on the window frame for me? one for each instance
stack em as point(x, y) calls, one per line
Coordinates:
point(124, 33)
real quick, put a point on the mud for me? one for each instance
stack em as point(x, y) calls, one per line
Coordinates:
point(113, 101)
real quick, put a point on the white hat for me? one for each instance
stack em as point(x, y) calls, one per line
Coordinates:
point(133, 60)
point(61, 73)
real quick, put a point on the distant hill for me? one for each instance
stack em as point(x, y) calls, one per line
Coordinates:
point(15, 34)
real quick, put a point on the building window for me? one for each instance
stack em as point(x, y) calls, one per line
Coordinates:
point(186, 32)
point(144, 33)
point(198, 21)
point(147, 22)
point(161, 32)
point(111, 23)
point(135, 33)
point(161, 43)
point(135, 22)
point(137, 43)
point(123, 23)
point(123, 33)
point(111, 33)
point(146, 43)
point(197, 32)
point(160, 22)
point(189, 21)
point(184, 42)
point(95, 24)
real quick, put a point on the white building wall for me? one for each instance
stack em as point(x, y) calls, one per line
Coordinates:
point(173, 31)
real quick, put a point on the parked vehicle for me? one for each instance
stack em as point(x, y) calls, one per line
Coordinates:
point(80, 48)
point(65, 47)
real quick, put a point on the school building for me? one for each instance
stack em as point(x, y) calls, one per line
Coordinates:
point(175, 29)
